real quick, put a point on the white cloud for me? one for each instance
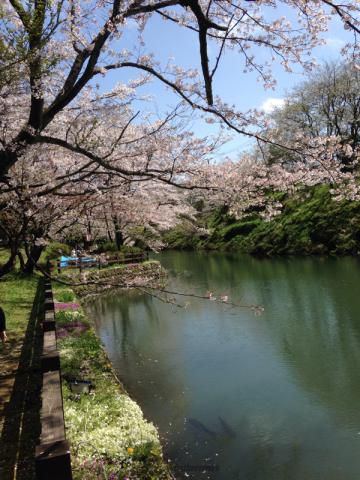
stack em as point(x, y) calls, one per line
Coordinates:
point(334, 42)
point(271, 103)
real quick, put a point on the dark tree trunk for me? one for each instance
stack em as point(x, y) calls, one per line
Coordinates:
point(9, 266)
point(119, 239)
point(33, 258)
point(21, 260)
point(7, 160)
point(107, 227)
point(9, 156)
point(88, 235)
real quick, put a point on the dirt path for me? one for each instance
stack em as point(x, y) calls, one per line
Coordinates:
point(9, 361)
point(19, 393)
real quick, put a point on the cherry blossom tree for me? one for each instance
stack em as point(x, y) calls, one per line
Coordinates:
point(64, 46)
point(71, 149)
point(39, 204)
point(135, 212)
point(30, 215)
point(249, 185)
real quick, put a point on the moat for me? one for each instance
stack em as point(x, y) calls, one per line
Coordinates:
point(237, 395)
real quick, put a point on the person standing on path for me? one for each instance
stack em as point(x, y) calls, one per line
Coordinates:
point(3, 336)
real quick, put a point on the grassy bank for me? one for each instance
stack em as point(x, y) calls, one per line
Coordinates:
point(17, 293)
point(109, 437)
point(141, 274)
point(310, 224)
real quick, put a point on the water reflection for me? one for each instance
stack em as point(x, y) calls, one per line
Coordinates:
point(269, 397)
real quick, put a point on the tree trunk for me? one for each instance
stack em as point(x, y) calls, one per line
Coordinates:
point(107, 227)
point(33, 258)
point(21, 260)
point(9, 266)
point(119, 239)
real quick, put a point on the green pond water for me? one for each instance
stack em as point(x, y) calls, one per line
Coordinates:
point(237, 395)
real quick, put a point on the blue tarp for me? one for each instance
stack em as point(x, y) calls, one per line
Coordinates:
point(66, 261)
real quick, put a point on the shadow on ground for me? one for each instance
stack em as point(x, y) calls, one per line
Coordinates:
point(21, 414)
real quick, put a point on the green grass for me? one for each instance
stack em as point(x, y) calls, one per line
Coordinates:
point(17, 294)
point(4, 254)
point(65, 296)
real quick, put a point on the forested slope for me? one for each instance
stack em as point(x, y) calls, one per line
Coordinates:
point(317, 225)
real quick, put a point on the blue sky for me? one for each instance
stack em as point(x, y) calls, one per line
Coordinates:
point(166, 40)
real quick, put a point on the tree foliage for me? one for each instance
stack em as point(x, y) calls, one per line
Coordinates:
point(64, 45)
point(76, 157)
point(327, 104)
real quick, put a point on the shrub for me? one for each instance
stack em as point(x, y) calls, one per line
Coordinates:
point(55, 249)
point(65, 296)
point(110, 247)
point(107, 247)
point(239, 228)
point(128, 249)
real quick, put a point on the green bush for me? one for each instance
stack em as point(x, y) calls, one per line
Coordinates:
point(133, 250)
point(55, 249)
point(182, 237)
point(107, 247)
point(110, 247)
point(65, 296)
point(240, 228)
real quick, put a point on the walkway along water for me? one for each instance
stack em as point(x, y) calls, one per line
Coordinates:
point(33, 413)
point(53, 451)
